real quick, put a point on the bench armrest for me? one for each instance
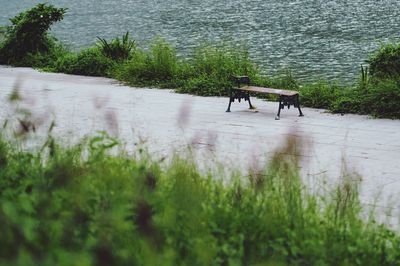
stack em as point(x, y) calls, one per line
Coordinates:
point(239, 80)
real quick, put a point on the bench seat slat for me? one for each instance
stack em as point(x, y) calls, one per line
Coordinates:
point(268, 90)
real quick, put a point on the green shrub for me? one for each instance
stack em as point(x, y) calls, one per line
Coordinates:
point(28, 33)
point(163, 60)
point(116, 49)
point(158, 66)
point(347, 102)
point(89, 62)
point(320, 94)
point(385, 62)
point(384, 98)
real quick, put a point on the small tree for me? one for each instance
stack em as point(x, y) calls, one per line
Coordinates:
point(28, 33)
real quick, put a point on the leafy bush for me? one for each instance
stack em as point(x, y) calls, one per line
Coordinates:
point(82, 206)
point(163, 60)
point(349, 101)
point(116, 49)
point(384, 98)
point(385, 62)
point(89, 62)
point(28, 33)
point(160, 65)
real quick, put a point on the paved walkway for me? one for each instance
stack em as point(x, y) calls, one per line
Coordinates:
point(167, 121)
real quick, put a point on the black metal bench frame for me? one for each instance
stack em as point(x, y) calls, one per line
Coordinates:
point(237, 93)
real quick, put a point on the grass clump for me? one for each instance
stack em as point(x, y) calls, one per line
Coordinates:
point(210, 70)
point(117, 49)
point(159, 66)
point(383, 98)
point(320, 94)
point(81, 205)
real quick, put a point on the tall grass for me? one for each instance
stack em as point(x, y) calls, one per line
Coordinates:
point(83, 206)
point(117, 49)
point(159, 65)
point(208, 73)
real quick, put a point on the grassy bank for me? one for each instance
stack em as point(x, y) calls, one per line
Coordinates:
point(83, 206)
point(377, 91)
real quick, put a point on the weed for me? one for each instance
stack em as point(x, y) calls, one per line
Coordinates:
point(116, 49)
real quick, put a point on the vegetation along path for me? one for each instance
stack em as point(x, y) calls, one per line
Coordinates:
point(165, 121)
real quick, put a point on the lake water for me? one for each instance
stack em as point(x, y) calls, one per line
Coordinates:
point(314, 38)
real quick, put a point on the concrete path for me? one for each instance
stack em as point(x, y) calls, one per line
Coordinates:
point(166, 121)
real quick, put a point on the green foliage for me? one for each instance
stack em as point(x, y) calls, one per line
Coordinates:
point(28, 33)
point(82, 206)
point(116, 49)
point(207, 74)
point(383, 98)
point(89, 62)
point(45, 60)
point(320, 94)
point(159, 65)
point(210, 71)
point(162, 60)
point(385, 62)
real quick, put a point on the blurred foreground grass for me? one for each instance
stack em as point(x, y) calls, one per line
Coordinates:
point(83, 206)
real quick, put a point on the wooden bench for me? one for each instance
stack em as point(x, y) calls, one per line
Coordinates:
point(239, 92)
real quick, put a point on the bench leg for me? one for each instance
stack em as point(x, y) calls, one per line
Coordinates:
point(250, 105)
point(298, 106)
point(230, 102)
point(278, 116)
